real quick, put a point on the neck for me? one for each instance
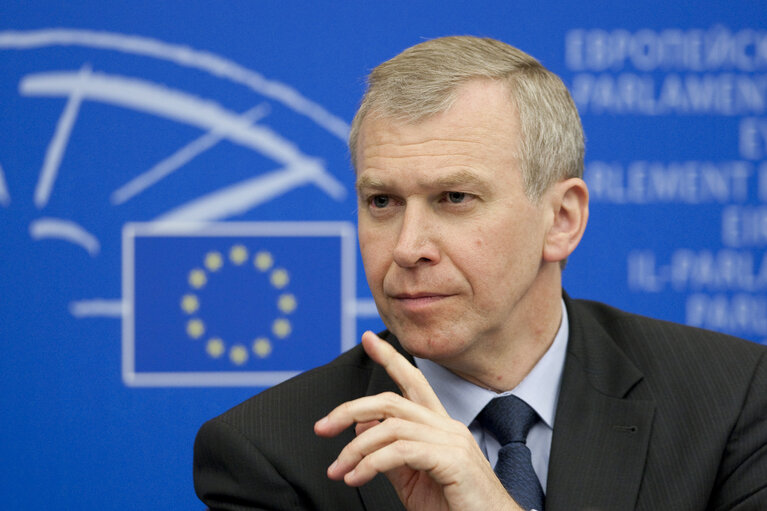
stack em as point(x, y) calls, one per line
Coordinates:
point(502, 365)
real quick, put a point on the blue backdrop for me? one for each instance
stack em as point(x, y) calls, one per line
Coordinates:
point(119, 337)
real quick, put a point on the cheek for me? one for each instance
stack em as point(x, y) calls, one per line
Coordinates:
point(496, 253)
point(374, 257)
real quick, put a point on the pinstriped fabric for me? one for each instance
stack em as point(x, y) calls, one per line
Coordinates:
point(509, 419)
point(651, 415)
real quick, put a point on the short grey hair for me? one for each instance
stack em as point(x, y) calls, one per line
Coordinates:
point(422, 81)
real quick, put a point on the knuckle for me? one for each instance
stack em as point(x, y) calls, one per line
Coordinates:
point(390, 403)
point(343, 410)
point(402, 448)
point(395, 425)
point(389, 395)
point(460, 427)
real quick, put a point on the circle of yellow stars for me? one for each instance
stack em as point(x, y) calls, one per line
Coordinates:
point(261, 346)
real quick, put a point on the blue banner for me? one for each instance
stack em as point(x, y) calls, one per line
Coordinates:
point(177, 205)
point(235, 303)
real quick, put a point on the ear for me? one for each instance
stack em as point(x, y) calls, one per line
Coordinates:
point(568, 201)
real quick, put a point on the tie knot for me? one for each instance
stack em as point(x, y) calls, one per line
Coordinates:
point(508, 418)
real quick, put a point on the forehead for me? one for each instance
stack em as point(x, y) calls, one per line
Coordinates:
point(479, 130)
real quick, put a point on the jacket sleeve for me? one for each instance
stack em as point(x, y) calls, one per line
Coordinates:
point(232, 474)
point(742, 478)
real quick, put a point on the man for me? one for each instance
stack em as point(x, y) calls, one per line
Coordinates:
point(468, 157)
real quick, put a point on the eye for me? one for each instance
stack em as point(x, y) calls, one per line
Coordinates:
point(380, 201)
point(455, 197)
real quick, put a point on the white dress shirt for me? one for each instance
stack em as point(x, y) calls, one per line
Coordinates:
point(539, 389)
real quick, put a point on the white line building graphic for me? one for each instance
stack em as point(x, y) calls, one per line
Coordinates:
point(204, 214)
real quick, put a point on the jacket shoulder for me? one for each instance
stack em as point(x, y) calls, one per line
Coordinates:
point(626, 328)
point(670, 356)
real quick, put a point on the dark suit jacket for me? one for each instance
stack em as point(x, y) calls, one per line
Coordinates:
point(651, 416)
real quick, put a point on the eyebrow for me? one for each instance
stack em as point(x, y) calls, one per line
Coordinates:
point(368, 182)
point(458, 178)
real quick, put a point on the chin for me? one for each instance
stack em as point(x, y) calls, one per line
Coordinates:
point(429, 345)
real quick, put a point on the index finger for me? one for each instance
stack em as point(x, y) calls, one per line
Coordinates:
point(411, 382)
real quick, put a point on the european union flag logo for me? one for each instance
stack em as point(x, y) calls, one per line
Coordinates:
point(235, 303)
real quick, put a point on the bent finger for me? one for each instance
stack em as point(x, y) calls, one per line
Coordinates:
point(361, 427)
point(375, 408)
point(393, 430)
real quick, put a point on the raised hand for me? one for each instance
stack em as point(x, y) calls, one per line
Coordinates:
point(431, 460)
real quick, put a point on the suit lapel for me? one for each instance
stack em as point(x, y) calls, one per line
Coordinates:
point(379, 493)
point(600, 437)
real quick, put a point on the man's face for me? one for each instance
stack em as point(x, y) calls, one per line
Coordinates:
point(452, 247)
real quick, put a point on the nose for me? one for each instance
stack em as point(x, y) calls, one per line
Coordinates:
point(417, 242)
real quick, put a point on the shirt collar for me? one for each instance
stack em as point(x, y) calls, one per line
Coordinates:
point(539, 389)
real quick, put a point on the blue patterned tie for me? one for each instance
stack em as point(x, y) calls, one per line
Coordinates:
point(509, 419)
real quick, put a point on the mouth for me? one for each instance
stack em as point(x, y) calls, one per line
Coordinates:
point(417, 296)
point(418, 301)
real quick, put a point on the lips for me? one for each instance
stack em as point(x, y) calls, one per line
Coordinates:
point(416, 296)
point(418, 302)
